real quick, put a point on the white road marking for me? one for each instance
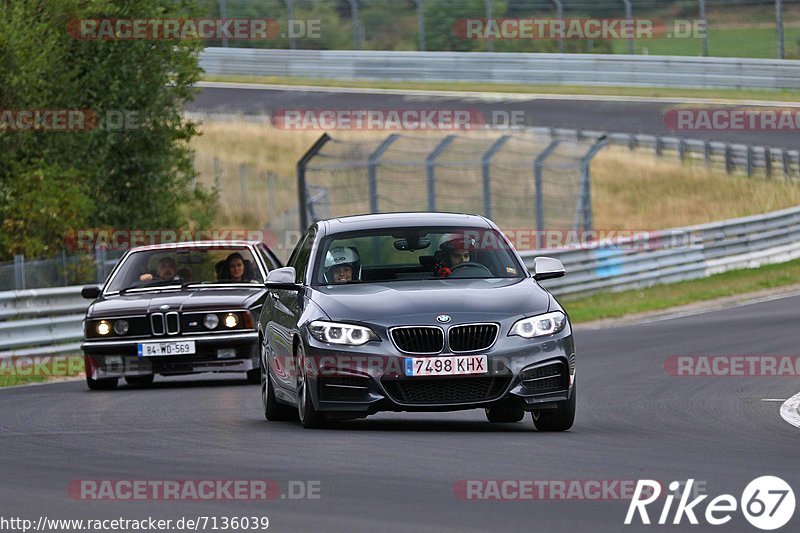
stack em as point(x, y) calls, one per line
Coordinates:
point(774, 400)
point(489, 96)
point(790, 410)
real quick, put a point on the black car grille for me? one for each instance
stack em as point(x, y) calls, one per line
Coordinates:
point(472, 337)
point(446, 390)
point(168, 323)
point(419, 340)
point(552, 377)
point(338, 388)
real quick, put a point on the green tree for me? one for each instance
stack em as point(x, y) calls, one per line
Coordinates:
point(135, 174)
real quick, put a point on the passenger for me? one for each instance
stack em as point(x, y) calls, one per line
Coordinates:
point(185, 274)
point(342, 264)
point(235, 269)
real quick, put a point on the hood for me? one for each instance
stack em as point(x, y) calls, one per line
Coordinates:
point(185, 300)
point(417, 302)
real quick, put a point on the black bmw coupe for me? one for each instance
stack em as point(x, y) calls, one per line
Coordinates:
point(414, 312)
point(177, 309)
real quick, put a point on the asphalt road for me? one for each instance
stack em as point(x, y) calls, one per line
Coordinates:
point(396, 472)
point(630, 116)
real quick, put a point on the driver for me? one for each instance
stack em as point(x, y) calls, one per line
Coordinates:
point(453, 251)
point(167, 271)
point(342, 264)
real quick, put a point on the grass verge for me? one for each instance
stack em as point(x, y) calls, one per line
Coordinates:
point(39, 369)
point(661, 297)
point(667, 92)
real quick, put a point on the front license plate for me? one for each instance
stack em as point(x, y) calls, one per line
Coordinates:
point(456, 365)
point(157, 349)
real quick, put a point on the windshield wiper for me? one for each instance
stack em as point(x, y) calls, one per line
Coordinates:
point(150, 285)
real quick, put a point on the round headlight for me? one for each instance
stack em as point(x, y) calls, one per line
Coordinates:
point(103, 328)
point(231, 320)
point(121, 327)
point(211, 321)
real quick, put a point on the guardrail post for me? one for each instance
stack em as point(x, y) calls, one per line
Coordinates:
point(659, 145)
point(768, 161)
point(787, 165)
point(373, 171)
point(430, 168)
point(302, 204)
point(538, 180)
point(707, 152)
point(19, 272)
point(749, 161)
point(682, 149)
point(486, 160)
point(728, 159)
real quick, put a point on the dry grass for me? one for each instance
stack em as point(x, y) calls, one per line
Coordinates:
point(629, 190)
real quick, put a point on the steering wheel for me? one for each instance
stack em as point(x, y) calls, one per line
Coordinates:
point(469, 270)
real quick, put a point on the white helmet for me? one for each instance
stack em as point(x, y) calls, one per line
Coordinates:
point(456, 241)
point(339, 256)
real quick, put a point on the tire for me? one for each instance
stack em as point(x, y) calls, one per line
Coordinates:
point(254, 376)
point(140, 380)
point(505, 412)
point(558, 419)
point(273, 410)
point(310, 418)
point(101, 384)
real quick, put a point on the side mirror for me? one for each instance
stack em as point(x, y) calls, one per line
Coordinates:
point(90, 292)
point(282, 279)
point(547, 268)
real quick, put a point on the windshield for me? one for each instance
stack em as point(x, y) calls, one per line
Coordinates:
point(168, 267)
point(404, 254)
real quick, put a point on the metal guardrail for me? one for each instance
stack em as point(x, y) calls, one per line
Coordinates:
point(48, 321)
point(675, 255)
point(768, 161)
point(489, 67)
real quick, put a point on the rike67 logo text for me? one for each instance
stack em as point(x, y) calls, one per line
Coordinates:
point(767, 503)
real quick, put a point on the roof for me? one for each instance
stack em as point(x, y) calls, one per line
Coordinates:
point(194, 244)
point(406, 219)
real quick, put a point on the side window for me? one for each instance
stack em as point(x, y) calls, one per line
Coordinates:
point(301, 256)
point(267, 258)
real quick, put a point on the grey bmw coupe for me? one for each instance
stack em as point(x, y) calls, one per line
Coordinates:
point(414, 312)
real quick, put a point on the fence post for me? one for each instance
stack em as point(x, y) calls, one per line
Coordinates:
point(728, 158)
point(243, 184)
point(538, 181)
point(704, 20)
point(486, 160)
point(19, 272)
point(430, 167)
point(707, 152)
point(560, 16)
point(100, 262)
point(421, 24)
point(585, 208)
point(356, 24)
point(659, 145)
point(489, 16)
point(223, 15)
point(779, 26)
point(629, 16)
point(749, 161)
point(64, 266)
point(768, 161)
point(372, 170)
point(787, 165)
point(290, 25)
point(301, 179)
point(682, 149)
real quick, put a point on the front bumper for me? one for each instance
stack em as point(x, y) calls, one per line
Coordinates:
point(228, 352)
point(534, 375)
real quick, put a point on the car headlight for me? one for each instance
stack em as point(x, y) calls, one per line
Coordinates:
point(335, 333)
point(121, 327)
point(211, 321)
point(103, 328)
point(231, 320)
point(539, 326)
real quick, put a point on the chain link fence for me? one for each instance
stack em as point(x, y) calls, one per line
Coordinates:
point(64, 270)
point(520, 180)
